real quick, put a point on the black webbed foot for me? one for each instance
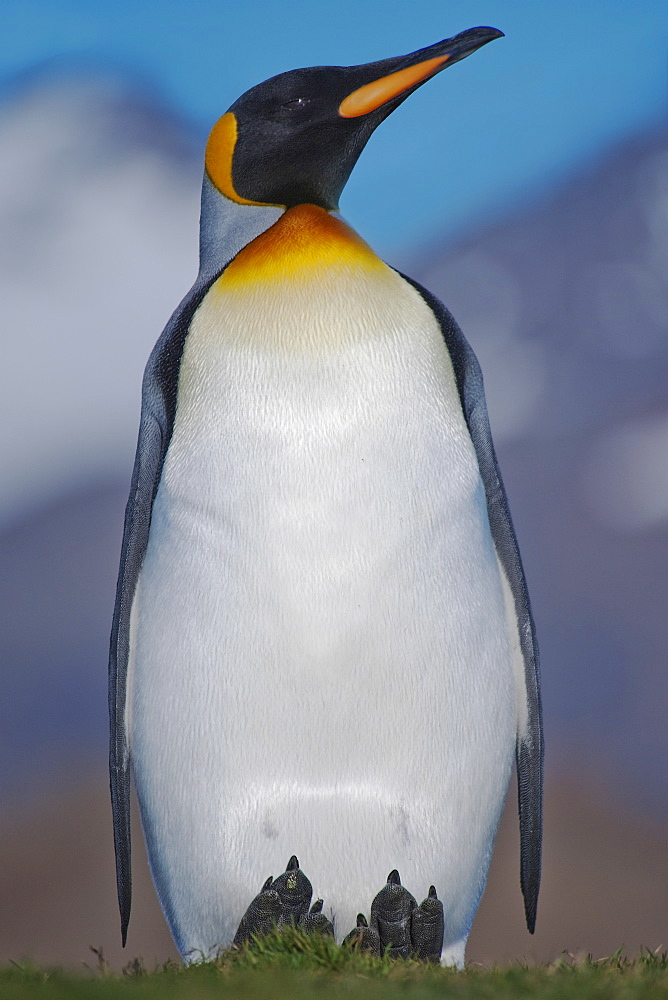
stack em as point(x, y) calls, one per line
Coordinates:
point(294, 891)
point(363, 937)
point(282, 902)
point(427, 928)
point(391, 913)
point(315, 921)
point(399, 926)
point(262, 914)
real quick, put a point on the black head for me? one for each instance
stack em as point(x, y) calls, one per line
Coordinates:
point(295, 138)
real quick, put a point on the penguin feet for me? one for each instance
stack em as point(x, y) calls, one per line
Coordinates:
point(398, 926)
point(282, 902)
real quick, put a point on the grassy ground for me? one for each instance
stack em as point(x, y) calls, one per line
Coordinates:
point(291, 966)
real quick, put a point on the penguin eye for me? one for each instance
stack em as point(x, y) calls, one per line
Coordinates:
point(297, 104)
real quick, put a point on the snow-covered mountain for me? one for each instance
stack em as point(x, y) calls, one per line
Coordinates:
point(99, 191)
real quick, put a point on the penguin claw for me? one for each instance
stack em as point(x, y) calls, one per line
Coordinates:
point(294, 891)
point(398, 926)
point(283, 901)
point(261, 916)
point(363, 937)
point(391, 913)
point(315, 921)
point(427, 928)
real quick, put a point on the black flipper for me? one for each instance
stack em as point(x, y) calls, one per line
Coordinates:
point(159, 392)
point(315, 921)
point(428, 927)
point(225, 229)
point(529, 746)
point(363, 937)
point(391, 915)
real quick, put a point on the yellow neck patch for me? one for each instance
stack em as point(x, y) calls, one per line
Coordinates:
point(305, 241)
point(218, 158)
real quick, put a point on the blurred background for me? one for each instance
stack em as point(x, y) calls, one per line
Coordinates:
point(528, 188)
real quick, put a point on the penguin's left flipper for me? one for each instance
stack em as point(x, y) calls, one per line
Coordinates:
point(282, 902)
point(529, 743)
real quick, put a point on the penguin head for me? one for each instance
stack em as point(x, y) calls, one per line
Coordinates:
point(295, 138)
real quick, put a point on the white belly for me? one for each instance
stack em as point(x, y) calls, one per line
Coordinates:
point(321, 663)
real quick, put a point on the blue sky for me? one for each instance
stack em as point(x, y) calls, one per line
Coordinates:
point(569, 79)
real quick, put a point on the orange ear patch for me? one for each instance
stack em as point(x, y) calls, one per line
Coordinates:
point(374, 95)
point(218, 158)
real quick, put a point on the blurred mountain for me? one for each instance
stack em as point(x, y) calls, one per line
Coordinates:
point(99, 209)
point(56, 597)
point(566, 305)
point(567, 309)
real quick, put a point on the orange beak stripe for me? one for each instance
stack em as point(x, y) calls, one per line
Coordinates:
point(373, 95)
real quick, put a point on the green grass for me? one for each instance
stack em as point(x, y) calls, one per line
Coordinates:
point(291, 966)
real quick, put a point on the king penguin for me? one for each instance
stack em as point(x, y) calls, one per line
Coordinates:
point(322, 642)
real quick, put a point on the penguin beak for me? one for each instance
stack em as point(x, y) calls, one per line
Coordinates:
point(392, 80)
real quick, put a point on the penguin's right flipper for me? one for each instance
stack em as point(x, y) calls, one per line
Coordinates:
point(158, 410)
point(146, 474)
point(159, 392)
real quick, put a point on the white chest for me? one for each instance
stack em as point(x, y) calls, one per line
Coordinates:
point(320, 482)
point(319, 636)
point(319, 447)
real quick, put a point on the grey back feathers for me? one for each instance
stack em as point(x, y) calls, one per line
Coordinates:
point(226, 228)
